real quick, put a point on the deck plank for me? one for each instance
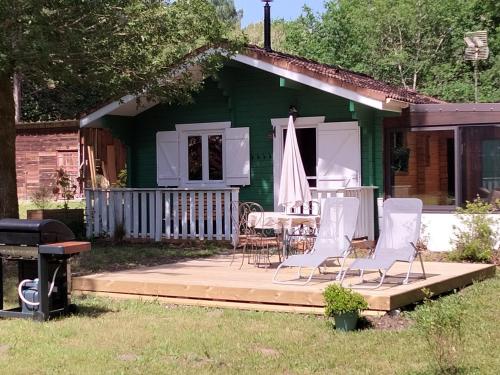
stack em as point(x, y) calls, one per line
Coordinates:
point(213, 279)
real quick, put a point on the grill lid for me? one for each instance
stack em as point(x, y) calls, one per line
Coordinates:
point(33, 232)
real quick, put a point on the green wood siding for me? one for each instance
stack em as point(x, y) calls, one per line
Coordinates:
point(250, 98)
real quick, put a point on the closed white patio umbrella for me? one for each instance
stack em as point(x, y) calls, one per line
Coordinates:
point(294, 187)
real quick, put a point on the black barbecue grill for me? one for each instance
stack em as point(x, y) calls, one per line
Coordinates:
point(41, 249)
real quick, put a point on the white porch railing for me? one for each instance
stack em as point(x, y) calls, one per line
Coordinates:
point(158, 214)
point(365, 227)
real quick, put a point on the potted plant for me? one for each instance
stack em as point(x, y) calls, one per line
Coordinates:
point(66, 190)
point(344, 306)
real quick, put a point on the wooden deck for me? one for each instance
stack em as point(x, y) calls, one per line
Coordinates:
point(214, 282)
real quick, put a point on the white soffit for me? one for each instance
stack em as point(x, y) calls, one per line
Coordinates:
point(126, 106)
point(316, 83)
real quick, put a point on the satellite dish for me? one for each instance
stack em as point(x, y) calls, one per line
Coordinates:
point(476, 49)
point(477, 45)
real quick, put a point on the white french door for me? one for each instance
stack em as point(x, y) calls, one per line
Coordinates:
point(337, 153)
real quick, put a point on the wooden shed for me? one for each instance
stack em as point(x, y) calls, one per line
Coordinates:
point(41, 149)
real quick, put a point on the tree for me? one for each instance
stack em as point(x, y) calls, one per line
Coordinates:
point(255, 34)
point(116, 47)
point(417, 44)
point(226, 11)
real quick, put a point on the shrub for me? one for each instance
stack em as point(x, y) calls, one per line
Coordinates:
point(440, 322)
point(121, 181)
point(64, 187)
point(341, 300)
point(42, 197)
point(474, 238)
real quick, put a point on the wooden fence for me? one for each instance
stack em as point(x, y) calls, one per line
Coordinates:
point(157, 214)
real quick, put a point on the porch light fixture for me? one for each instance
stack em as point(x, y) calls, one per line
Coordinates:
point(292, 111)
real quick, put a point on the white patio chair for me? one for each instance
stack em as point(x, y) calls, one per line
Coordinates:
point(397, 243)
point(338, 222)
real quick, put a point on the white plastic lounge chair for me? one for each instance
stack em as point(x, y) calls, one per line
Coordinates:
point(397, 243)
point(338, 222)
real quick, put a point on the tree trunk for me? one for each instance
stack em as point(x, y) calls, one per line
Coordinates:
point(8, 186)
point(17, 97)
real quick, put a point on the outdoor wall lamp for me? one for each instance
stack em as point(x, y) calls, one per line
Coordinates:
point(292, 111)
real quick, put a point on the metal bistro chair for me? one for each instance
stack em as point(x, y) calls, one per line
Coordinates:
point(300, 240)
point(255, 240)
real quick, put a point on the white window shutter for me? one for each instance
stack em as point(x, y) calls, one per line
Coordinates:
point(167, 158)
point(237, 154)
point(339, 155)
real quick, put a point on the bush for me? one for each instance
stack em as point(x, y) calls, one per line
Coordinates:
point(64, 187)
point(440, 323)
point(474, 238)
point(42, 197)
point(340, 300)
point(121, 181)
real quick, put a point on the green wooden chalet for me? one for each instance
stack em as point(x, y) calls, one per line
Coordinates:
point(185, 162)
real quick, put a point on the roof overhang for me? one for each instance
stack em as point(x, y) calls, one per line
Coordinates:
point(132, 105)
point(47, 126)
point(129, 106)
point(377, 103)
point(454, 114)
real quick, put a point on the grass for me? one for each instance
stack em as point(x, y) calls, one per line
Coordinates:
point(135, 337)
point(26, 205)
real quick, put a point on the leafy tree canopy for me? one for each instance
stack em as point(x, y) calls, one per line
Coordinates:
point(72, 55)
point(255, 34)
point(227, 12)
point(98, 50)
point(413, 43)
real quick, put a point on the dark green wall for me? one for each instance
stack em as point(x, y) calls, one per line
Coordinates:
point(248, 98)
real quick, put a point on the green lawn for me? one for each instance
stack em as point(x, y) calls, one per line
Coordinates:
point(111, 337)
point(133, 337)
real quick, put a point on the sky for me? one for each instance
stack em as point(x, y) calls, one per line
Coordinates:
point(253, 10)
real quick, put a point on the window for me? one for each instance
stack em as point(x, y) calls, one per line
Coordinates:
point(68, 161)
point(480, 162)
point(205, 157)
point(203, 154)
point(423, 166)
point(399, 152)
point(195, 157)
point(444, 166)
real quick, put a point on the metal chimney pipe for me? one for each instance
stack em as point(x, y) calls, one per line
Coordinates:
point(267, 26)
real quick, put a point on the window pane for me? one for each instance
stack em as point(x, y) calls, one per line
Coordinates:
point(481, 162)
point(422, 165)
point(306, 139)
point(215, 157)
point(195, 160)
